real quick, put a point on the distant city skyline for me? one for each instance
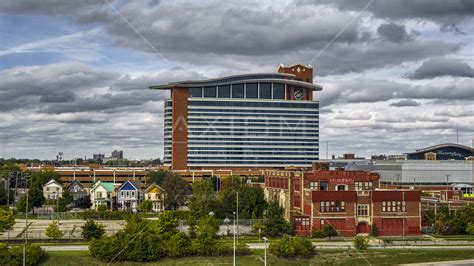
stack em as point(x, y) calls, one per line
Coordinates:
point(397, 75)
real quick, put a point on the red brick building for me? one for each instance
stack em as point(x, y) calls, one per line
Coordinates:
point(351, 201)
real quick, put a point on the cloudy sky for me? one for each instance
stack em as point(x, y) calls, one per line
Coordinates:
point(74, 75)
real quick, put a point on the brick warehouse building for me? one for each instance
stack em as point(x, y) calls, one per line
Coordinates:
point(351, 201)
point(252, 121)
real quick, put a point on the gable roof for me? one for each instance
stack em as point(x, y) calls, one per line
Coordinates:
point(130, 185)
point(152, 186)
point(52, 182)
point(75, 182)
point(109, 187)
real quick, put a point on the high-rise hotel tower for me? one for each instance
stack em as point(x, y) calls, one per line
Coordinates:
point(267, 120)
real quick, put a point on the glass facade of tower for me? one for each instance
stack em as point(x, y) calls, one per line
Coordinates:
point(247, 124)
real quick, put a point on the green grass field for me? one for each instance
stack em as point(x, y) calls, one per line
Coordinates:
point(325, 257)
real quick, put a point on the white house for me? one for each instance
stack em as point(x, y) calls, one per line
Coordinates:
point(52, 190)
point(101, 194)
point(129, 195)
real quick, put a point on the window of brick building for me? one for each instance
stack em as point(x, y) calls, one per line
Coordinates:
point(332, 206)
point(367, 185)
point(323, 185)
point(359, 186)
point(313, 185)
point(362, 210)
point(393, 206)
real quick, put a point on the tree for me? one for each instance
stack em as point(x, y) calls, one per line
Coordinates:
point(145, 206)
point(329, 231)
point(275, 223)
point(7, 220)
point(4, 197)
point(203, 200)
point(470, 228)
point(21, 204)
point(374, 231)
point(61, 205)
point(156, 177)
point(191, 226)
point(167, 224)
point(92, 230)
point(36, 198)
point(207, 234)
point(102, 208)
point(40, 178)
point(176, 190)
point(53, 231)
point(179, 245)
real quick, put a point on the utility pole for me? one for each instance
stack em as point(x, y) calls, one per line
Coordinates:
point(234, 242)
point(237, 212)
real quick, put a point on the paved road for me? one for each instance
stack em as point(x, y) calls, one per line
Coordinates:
point(345, 245)
point(451, 262)
point(65, 248)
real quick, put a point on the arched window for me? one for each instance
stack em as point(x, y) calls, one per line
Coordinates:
point(341, 187)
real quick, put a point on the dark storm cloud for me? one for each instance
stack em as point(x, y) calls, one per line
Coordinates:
point(73, 87)
point(403, 103)
point(446, 13)
point(367, 91)
point(438, 67)
point(394, 33)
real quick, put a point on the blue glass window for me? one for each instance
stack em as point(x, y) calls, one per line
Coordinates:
point(278, 91)
point(251, 91)
point(238, 91)
point(210, 92)
point(195, 92)
point(224, 91)
point(265, 90)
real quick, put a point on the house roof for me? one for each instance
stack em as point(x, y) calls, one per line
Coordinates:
point(130, 184)
point(75, 182)
point(53, 182)
point(107, 186)
point(153, 185)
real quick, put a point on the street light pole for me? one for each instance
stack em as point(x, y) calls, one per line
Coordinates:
point(25, 235)
point(238, 212)
point(234, 242)
point(265, 253)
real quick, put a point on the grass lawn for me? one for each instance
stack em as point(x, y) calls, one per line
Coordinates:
point(324, 257)
point(455, 237)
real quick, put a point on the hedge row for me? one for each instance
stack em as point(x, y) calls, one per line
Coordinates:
point(14, 255)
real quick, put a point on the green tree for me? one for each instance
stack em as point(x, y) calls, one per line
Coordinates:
point(167, 224)
point(374, 231)
point(40, 178)
point(145, 206)
point(7, 220)
point(156, 177)
point(207, 234)
point(275, 223)
point(179, 245)
point(203, 200)
point(21, 204)
point(191, 226)
point(35, 197)
point(60, 205)
point(53, 231)
point(176, 190)
point(470, 228)
point(329, 231)
point(92, 230)
point(4, 197)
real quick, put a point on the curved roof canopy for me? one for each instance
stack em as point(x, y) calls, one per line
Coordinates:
point(446, 145)
point(243, 78)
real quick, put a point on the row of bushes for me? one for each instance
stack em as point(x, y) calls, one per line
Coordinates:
point(14, 255)
point(145, 240)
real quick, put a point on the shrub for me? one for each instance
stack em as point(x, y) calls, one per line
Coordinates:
point(292, 247)
point(92, 230)
point(7, 220)
point(107, 249)
point(179, 245)
point(145, 206)
point(470, 228)
point(374, 231)
point(53, 231)
point(318, 234)
point(361, 242)
point(329, 231)
point(102, 208)
point(14, 255)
